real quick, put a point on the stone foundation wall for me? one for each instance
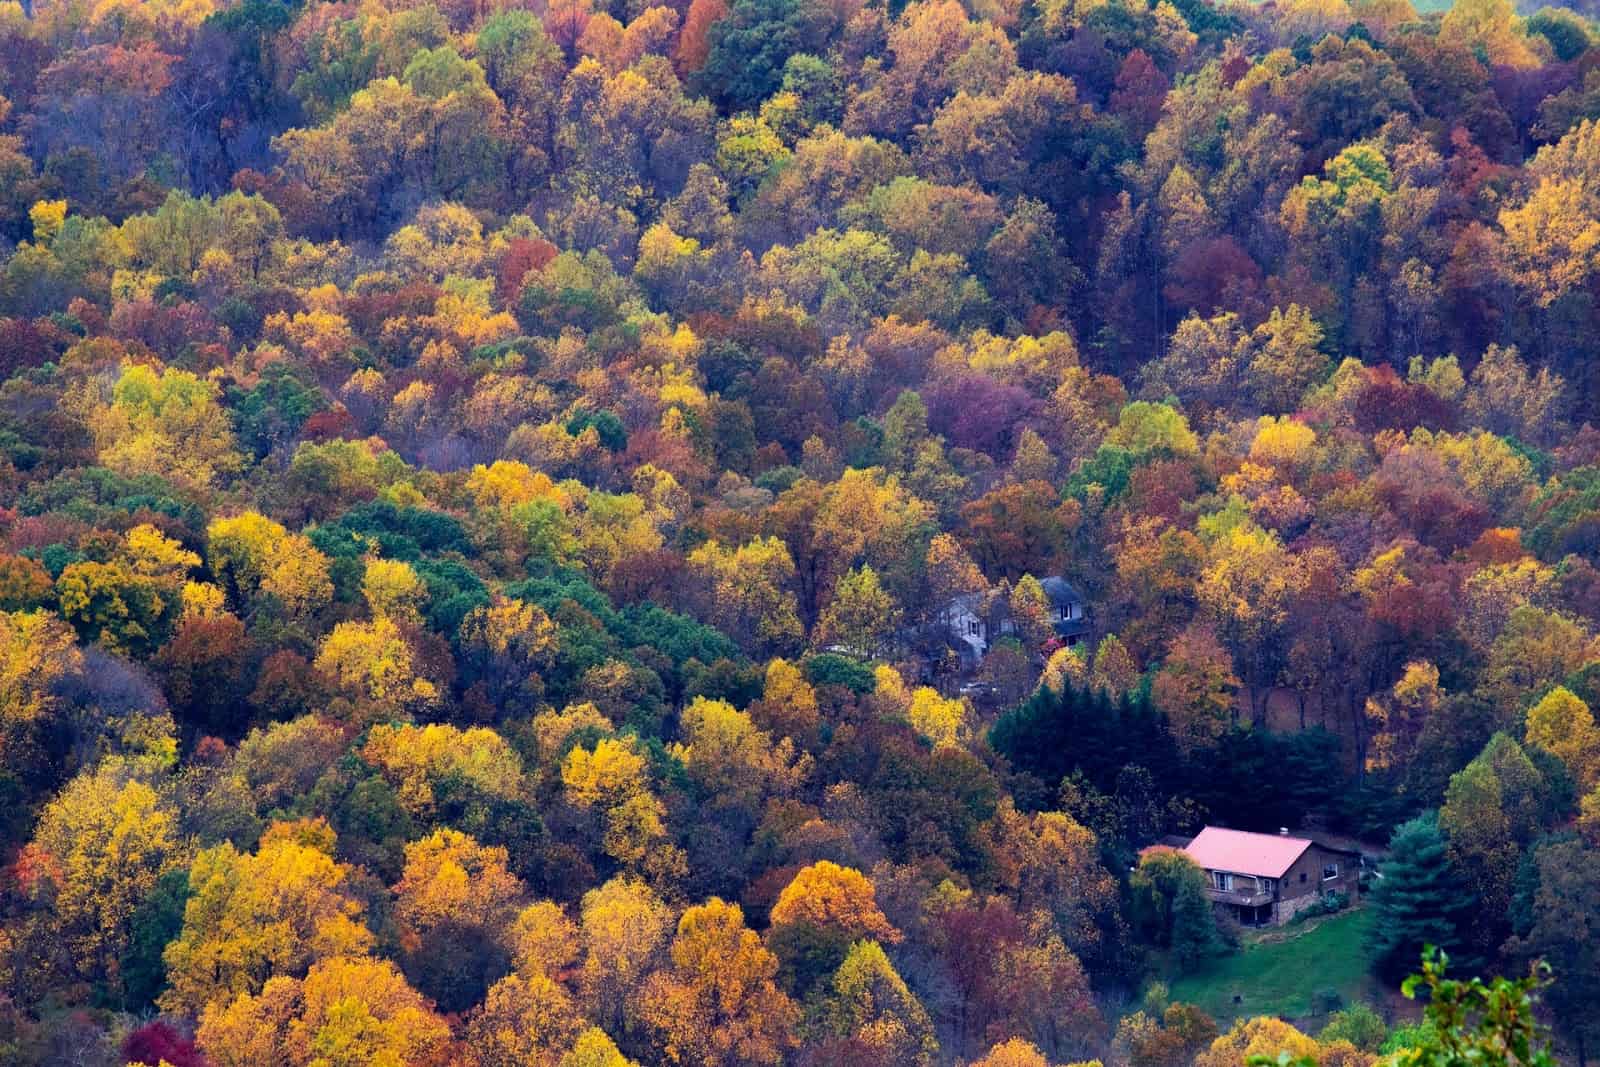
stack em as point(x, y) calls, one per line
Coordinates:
point(1288, 909)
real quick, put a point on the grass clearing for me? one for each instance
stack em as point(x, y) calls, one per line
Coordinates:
point(1281, 971)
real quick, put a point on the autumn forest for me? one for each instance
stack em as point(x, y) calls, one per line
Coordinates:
point(718, 533)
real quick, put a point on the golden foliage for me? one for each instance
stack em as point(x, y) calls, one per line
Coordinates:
point(415, 758)
point(941, 720)
point(371, 664)
point(167, 423)
point(104, 841)
point(1013, 1053)
point(717, 1005)
point(450, 881)
point(732, 759)
point(834, 898)
point(524, 1021)
point(253, 917)
point(37, 650)
point(1563, 725)
point(393, 590)
point(347, 1011)
point(606, 775)
point(1260, 1036)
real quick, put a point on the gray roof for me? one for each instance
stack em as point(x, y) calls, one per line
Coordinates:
point(1060, 591)
point(1057, 590)
point(968, 602)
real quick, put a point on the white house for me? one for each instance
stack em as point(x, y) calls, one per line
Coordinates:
point(971, 624)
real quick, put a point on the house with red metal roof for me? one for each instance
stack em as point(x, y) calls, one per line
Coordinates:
point(1267, 879)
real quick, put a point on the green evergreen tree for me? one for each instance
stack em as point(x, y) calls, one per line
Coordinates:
point(1420, 899)
point(1194, 927)
point(156, 922)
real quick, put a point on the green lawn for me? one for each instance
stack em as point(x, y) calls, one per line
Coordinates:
point(1279, 972)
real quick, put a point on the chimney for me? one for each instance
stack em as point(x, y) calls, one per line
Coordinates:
point(1283, 831)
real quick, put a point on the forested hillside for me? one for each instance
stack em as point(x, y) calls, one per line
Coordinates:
point(575, 533)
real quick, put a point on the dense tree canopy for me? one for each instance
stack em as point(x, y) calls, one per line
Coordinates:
point(486, 490)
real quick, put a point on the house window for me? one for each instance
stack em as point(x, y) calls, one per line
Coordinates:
point(1302, 876)
point(1222, 881)
point(1330, 871)
point(1066, 611)
point(972, 627)
point(1265, 884)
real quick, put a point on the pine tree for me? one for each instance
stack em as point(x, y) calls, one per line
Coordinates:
point(1420, 899)
point(1194, 927)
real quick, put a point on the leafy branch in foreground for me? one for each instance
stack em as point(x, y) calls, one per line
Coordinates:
point(1465, 1022)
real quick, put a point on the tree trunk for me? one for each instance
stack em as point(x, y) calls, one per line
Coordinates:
point(1358, 725)
point(1260, 700)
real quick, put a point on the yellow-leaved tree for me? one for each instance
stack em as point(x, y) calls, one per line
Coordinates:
point(530, 1016)
point(252, 917)
point(415, 759)
point(1562, 724)
point(346, 1011)
point(453, 905)
point(37, 650)
point(1260, 1036)
point(732, 759)
point(746, 591)
point(613, 778)
point(594, 1048)
point(47, 217)
point(99, 850)
point(870, 1005)
point(393, 591)
point(168, 423)
point(823, 910)
point(1013, 1053)
point(860, 615)
point(1551, 236)
point(717, 1004)
point(624, 924)
point(373, 669)
point(451, 881)
point(503, 646)
point(251, 555)
point(827, 896)
point(942, 720)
